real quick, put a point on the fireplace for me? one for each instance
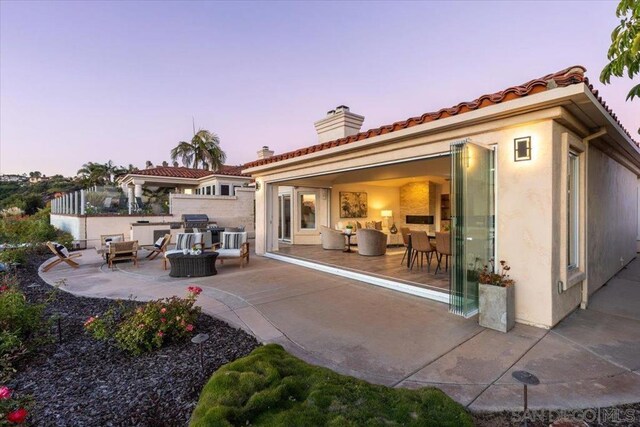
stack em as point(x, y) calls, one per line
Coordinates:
point(419, 219)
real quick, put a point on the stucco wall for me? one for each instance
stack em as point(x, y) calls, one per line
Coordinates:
point(227, 211)
point(612, 217)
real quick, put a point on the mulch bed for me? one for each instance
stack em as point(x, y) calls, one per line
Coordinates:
point(82, 381)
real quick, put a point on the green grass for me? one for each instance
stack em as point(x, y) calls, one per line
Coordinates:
point(270, 387)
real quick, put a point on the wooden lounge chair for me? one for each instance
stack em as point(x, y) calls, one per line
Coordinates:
point(233, 245)
point(123, 251)
point(63, 256)
point(160, 248)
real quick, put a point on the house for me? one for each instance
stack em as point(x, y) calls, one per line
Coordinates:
point(149, 203)
point(541, 175)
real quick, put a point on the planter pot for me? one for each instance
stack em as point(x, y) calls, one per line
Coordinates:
point(497, 307)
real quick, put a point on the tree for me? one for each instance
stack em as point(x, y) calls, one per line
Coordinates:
point(203, 149)
point(624, 52)
point(35, 174)
point(93, 174)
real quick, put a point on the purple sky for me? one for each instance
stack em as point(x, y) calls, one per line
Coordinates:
point(95, 81)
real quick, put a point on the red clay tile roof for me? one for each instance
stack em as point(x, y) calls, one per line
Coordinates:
point(567, 77)
point(181, 172)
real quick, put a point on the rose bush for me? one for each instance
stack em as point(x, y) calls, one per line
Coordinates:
point(12, 410)
point(21, 324)
point(150, 325)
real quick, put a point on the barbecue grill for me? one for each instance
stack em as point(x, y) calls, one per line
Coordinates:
point(191, 221)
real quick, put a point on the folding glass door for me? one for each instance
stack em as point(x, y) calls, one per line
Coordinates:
point(472, 222)
point(284, 222)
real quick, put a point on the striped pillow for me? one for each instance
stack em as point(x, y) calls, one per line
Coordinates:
point(232, 240)
point(184, 241)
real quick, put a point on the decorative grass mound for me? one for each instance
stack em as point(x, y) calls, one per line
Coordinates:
point(270, 387)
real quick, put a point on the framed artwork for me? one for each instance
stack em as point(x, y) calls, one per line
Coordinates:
point(353, 204)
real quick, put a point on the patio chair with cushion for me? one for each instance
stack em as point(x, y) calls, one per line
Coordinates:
point(123, 251)
point(160, 246)
point(62, 255)
point(233, 245)
point(184, 241)
point(331, 239)
point(371, 242)
point(108, 238)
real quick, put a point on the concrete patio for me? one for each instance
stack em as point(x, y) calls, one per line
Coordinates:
point(589, 360)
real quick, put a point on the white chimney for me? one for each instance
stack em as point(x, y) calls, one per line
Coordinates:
point(339, 123)
point(264, 152)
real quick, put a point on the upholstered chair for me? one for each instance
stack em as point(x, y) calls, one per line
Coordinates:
point(331, 239)
point(371, 242)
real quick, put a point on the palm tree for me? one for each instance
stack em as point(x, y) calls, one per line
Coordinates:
point(203, 149)
point(93, 174)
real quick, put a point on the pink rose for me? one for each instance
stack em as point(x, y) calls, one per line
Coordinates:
point(160, 333)
point(141, 325)
point(18, 416)
point(189, 327)
point(89, 321)
point(194, 290)
point(5, 393)
point(163, 310)
point(4, 288)
point(163, 320)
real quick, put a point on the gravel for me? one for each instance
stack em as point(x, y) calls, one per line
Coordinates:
point(82, 381)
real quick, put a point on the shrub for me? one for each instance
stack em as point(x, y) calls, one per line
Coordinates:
point(19, 323)
point(14, 256)
point(12, 410)
point(270, 387)
point(33, 229)
point(148, 326)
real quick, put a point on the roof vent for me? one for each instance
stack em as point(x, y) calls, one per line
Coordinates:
point(338, 123)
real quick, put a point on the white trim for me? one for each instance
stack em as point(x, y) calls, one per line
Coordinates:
point(384, 283)
point(372, 166)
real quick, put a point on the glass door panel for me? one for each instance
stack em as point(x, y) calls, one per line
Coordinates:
point(284, 220)
point(472, 222)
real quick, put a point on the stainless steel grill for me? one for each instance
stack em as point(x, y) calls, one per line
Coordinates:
point(199, 221)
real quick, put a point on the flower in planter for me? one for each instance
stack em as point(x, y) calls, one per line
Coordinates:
point(18, 416)
point(189, 327)
point(163, 310)
point(497, 277)
point(5, 393)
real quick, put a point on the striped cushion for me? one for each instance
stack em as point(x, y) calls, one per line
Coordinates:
point(185, 241)
point(232, 240)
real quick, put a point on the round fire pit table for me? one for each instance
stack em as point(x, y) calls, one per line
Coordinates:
point(193, 265)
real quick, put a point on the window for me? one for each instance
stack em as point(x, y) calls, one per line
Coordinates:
point(197, 191)
point(213, 190)
point(573, 210)
point(224, 190)
point(307, 211)
point(208, 190)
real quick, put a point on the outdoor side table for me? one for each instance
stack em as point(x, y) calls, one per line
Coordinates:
point(193, 265)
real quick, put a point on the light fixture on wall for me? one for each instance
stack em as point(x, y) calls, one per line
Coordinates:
point(257, 185)
point(522, 149)
point(389, 214)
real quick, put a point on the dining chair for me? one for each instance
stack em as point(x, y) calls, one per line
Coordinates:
point(443, 247)
point(405, 241)
point(421, 246)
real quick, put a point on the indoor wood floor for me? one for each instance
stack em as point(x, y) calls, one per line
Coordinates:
point(387, 266)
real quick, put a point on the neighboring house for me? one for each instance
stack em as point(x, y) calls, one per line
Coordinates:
point(152, 201)
point(542, 175)
point(13, 178)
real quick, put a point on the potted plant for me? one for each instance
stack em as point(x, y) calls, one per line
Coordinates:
point(348, 229)
point(496, 297)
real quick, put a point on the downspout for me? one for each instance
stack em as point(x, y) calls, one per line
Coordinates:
point(585, 283)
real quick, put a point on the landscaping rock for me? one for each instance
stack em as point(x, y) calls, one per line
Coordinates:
point(81, 381)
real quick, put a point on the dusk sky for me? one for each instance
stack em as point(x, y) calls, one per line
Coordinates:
point(121, 81)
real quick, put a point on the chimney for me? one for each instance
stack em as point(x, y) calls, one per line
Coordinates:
point(339, 123)
point(264, 152)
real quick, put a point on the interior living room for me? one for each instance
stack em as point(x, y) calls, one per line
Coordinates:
point(363, 222)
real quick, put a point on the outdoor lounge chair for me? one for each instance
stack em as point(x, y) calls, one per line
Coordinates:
point(233, 245)
point(123, 251)
point(63, 256)
point(160, 246)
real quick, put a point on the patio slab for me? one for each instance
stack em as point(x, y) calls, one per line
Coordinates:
point(588, 360)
